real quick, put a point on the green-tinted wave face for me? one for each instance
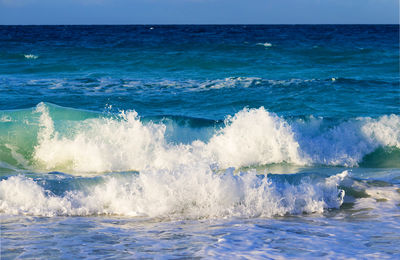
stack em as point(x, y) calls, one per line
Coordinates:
point(383, 157)
point(18, 136)
point(50, 137)
point(19, 131)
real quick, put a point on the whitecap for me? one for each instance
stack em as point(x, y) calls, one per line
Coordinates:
point(31, 56)
point(265, 44)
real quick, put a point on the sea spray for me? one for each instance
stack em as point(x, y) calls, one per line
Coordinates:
point(187, 192)
point(59, 139)
point(255, 137)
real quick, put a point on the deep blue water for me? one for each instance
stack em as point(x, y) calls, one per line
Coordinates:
point(253, 141)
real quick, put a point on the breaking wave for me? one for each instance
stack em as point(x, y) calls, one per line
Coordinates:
point(189, 192)
point(55, 138)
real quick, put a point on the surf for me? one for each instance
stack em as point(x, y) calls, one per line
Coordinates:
point(54, 138)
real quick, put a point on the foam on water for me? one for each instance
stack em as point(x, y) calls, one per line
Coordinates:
point(348, 142)
point(5, 118)
point(265, 44)
point(100, 85)
point(231, 82)
point(101, 144)
point(379, 200)
point(187, 192)
point(254, 137)
point(251, 137)
point(31, 56)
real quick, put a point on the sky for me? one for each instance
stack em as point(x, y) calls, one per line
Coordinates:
point(199, 11)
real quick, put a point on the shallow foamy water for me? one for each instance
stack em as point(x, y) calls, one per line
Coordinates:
point(295, 215)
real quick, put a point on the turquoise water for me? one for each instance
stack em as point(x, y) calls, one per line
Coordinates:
point(199, 141)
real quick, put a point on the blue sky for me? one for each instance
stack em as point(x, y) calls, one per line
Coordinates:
point(198, 11)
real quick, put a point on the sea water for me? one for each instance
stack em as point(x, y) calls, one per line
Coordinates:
point(225, 141)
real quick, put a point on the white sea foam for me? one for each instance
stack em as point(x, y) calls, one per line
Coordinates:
point(231, 82)
point(198, 179)
point(5, 118)
point(97, 86)
point(381, 201)
point(265, 44)
point(31, 56)
point(101, 144)
point(188, 192)
point(254, 137)
point(347, 143)
point(251, 137)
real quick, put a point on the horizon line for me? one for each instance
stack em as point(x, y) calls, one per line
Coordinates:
point(183, 24)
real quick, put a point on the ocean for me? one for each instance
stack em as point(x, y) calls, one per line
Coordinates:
point(200, 141)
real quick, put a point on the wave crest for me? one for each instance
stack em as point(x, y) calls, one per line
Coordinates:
point(251, 137)
point(254, 137)
point(188, 193)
